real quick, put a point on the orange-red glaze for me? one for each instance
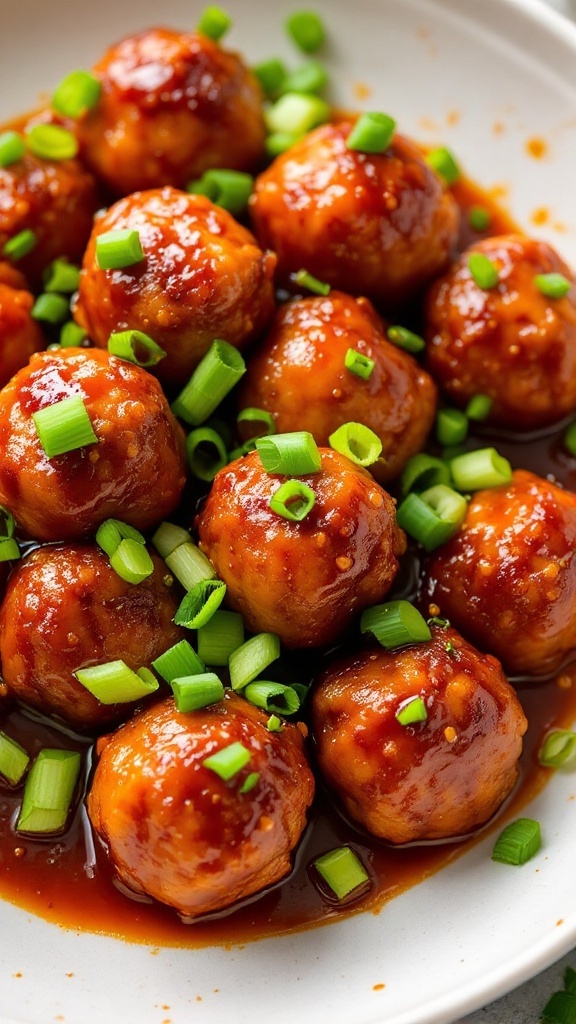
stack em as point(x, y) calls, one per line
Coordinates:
point(20, 334)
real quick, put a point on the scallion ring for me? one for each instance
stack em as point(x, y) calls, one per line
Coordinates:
point(357, 442)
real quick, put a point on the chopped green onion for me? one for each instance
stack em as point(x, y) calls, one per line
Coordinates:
point(64, 426)
point(199, 604)
point(553, 286)
point(78, 92)
point(178, 661)
point(249, 660)
point(214, 23)
point(228, 761)
point(405, 339)
point(220, 637)
point(411, 711)
point(14, 760)
point(305, 280)
point(168, 537)
point(359, 364)
point(518, 843)
point(271, 74)
point(206, 453)
point(9, 550)
point(293, 454)
point(444, 163)
point(560, 1009)
point(423, 471)
point(395, 624)
point(148, 678)
point(478, 408)
point(293, 500)
point(48, 791)
point(17, 247)
point(273, 697)
point(306, 29)
point(479, 218)
point(570, 438)
point(244, 449)
point(229, 189)
point(7, 523)
point(71, 335)
point(310, 77)
point(274, 724)
point(61, 276)
point(189, 565)
point(51, 142)
point(118, 249)
point(216, 374)
point(131, 561)
point(451, 426)
point(342, 871)
point(256, 416)
point(250, 782)
point(372, 133)
point(558, 749)
point(12, 148)
point(115, 683)
point(432, 517)
point(112, 531)
point(483, 271)
point(295, 114)
point(279, 142)
point(53, 309)
point(481, 468)
point(357, 442)
point(135, 347)
point(199, 691)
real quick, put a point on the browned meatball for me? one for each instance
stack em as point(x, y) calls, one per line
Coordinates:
point(301, 580)
point(203, 277)
point(177, 831)
point(434, 779)
point(173, 105)
point(508, 578)
point(510, 342)
point(135, 471)
point(65, 609)
point(20, 334)
point(298, 375)
point(372, 224)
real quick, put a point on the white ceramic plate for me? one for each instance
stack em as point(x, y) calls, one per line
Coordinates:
point(485, 79)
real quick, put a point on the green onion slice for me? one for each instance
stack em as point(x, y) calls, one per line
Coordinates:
point(71, 335)
point(214, 23)
point(432, 517)
point(357, 442)
point(131, 561)
point(293, 454)
point(558, 749)
point(51, 142)
point(48, 791)
point(199, 691)
point(136, 347)
point(220, 637)
point(310, 77)
point(372, 133)
point(451, 426)
point(178, 661)
point(403, 338)
point(61, 276)
point(249, 660)
point(262, 422)
point(479, 469)
point(17, 247)
point(395, 624)
point(293, 500)
point(9, 550)
point(118, 249)
point(79, 92)
point(359, 364)
point(200, 603)
point(14, 760)
point(250, 782)
point(411, 711)
point(64, 426)
point(168, 537)
point(228, 761)
point(7, 524)
point(274, 724)
point(423, 471)
point(295, 114)
point(206, 453)
point(189, 565)
point(112, 531)
point(484, 272)
point(274, 697)
point(479, 218)
point(115, 683)
point(553, 286)
point(305, 280)
point(229, 189)
point(53, 309)
point(478, 408)
point(306, 29)
point(342, 870)
point(12, 148)
point(444, 163)
point(518, 843)
point(271, 74)
point(279, 142)
point(216, 374)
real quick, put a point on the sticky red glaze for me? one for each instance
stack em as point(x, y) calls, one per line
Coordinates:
point(509, 342)
point(302, 580)
point(507, 579)
point(20, 334)
point(135, 472)
point(432, 780)
point(172, 105)
point(371, 224)
point(175, 829)
point(298, 375)
point(203, 277)
point(65, 608)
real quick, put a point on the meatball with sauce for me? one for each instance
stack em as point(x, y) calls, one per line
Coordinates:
point(432, 779)
point(175, 829)
point(203, 277)
point(134, 470)
point(507, 579)
point(172, 105)
point(509, 341)
point(298, 374)
point(20, 334)
point(380, 225)
point(65, 609)
point(301, 580)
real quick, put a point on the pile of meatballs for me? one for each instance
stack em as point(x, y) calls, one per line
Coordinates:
point(382, 231)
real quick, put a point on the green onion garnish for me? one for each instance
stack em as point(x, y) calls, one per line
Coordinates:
point(52, 309)
point(206, 453)
point(553, 286)
point(136, 347)
point(199, 604)
point(48, 791)
point(64, 426)
point(199, 691)
point(305, 280)
point(372, 133)
point(560, 1009)
point(61, 276)
point(78, 92)
point(293, 454)
point(115, 683)
point(168, 537)
point(51, 142)
point(216, 374)
point(14, 760)
point(423, 471)
point(273, 697)
point(71, 335)
point(310, 77)
point(9, 550)
point(118, 249)
point(249, 660)
point(228, 761)
point(405, 339)
point(479, 218)
point(131, 561)
point(295, 114)
point(395, 624)
point(17, 247)
point(279, 142)
point(293, 500)
point(558, 749)
point(274, 724)
point(478, 408)
point(357, 442)
point(7, 523)
point(189, 565)
point(271, 74)
point(451, 427)
point(229, 189)
point(411, 711)
point(519, 841)
point(220, 637)
point(250, 782)
point(569, 438)
point(342, 871)
point(214, 23)
point(12, 148)
point(432, 517)
point(484, 272)
point(359, 364)
point(178, 661)
point(481, 468)
point(306, 29)
point(112, 531)
point(443, 162)
point(255, 417)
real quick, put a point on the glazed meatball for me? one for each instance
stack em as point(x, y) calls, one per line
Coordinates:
point(510, 342)
point(434, 779)
point(20, 334)
point(380, 225)
point(177, 831)
point(172, 105)
point(298, 375)
point(66, 609)
point(301, 580)
point(135, 471)
point(202, 277)
point(507, 579)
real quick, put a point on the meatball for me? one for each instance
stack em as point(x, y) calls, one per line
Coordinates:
point(203, 277)
point(510, 342)
point(380, 225)
point(66, 608)
point(507, 579)
point(20, 334)
point(177, 831)
point(434, 779)
point(172, 105)
point(134, 472)
point(298, 375)
point(301, 580)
